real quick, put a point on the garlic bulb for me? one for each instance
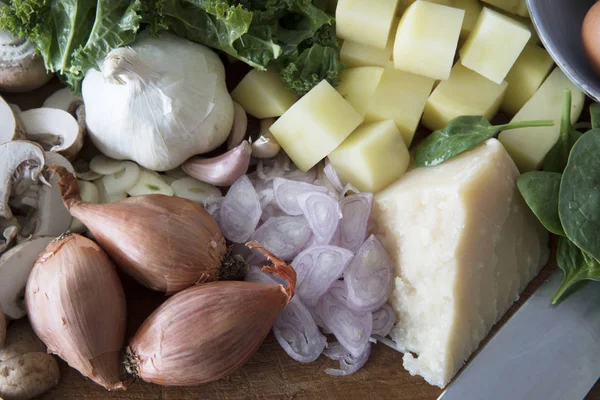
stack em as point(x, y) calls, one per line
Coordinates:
point(158, 102)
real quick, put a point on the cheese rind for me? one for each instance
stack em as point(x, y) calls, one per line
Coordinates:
point(464, 245)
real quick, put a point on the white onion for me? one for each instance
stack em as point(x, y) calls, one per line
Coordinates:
point(316, 270)
point(323, 214)
point(240, 211)
point(287, 192)
point(352, 229)
point(283, 236)
point(383, 320)
point(348, 363)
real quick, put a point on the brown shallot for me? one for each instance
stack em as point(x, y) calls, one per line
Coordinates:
point(76, 306)
point(166, 243)
point(207, 332)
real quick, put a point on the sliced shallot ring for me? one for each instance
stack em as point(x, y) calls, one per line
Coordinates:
point(221, 170)
point(284, 236)
point(240, 211)
point(287, 191)
point(383, 320)
point(348, 363)
point(332, 175)
point(323, 214)
point(368, 277)
point(356, 211)
point(317, 268)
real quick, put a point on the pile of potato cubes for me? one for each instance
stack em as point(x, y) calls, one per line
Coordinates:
point(408, 63)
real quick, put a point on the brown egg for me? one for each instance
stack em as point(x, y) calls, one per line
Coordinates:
point(590, 34)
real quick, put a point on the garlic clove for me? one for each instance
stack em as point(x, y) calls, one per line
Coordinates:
point(222, 170)
point(239, 128)
point(266, 146)
point(150, 182)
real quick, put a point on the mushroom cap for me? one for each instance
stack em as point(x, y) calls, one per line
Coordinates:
point(10, 125)
point(63, 99)
point(15, 266)
point(21, 70)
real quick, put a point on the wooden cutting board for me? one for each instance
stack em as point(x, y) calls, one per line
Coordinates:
point(271, 373)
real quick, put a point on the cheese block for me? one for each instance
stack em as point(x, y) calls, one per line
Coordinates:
point(464, 245)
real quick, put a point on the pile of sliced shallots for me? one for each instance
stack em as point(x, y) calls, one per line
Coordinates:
point(344, 278)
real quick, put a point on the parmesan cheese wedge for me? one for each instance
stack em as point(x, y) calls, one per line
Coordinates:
point(464, 245)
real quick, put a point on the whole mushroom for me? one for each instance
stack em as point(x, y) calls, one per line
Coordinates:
point(21, 70)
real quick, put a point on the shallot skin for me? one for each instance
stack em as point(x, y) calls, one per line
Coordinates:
point(204, 333)
point(76, 306)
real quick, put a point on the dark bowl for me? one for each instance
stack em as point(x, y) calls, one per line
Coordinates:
point(558, 23)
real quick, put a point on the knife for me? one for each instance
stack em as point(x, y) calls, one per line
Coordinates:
point(543, 352)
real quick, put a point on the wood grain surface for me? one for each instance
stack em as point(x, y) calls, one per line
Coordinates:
point(270, 374)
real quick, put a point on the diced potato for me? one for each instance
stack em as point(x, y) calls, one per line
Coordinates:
point(518, 7)
point(525, 77)
point(529, 146)
point(359, 55)
point(472, 9)
point(465, 93)
point(400, 96)
point(427, 39)
point(535, 39)
point(357, 86)
point(365, 21)
point(372, 157)
point(494, 45)
point(315, 125)
point(263, 94)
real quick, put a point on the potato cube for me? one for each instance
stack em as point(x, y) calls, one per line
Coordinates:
point(400, 96)
point(372, 157)
point(494, 45)
point(465, 93)
point(365, 21)
point(518, 7)
point(315, 125)
point(525, 77)
point(263, 94)
point(529, 146)
point(472, 9)
point(357, 86)
point(427, 39)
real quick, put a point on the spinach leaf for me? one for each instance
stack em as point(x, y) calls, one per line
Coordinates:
point(461, 134)
point(556, 159)
point(540, 191)
point(579, 198)
point(595, 115)
point(576, 265)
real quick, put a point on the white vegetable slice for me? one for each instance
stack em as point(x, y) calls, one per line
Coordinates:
point(287, 191)
point(177, 173)
point(103, 165)
point(356, 211)
point(332, 175)
point(323, 214)
point(240, 211)
point(368, 277)
point(194, 190)
point(168, 179)
point(123, 180)
point(317, 268)
point(89, 194)
point(383, 320)
point(348, 363)
point(150, 183)
point(104, 198)
point(283, 236)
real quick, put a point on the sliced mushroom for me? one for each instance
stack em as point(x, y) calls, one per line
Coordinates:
point(64, 99)
point(19, 160)
point(10, 125)
point(21, 70)
point(56, 130)
point(2, 327)
point(15, 266)
point(50, 217)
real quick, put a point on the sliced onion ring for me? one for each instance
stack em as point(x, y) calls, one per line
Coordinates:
point(323, 214)
point(287, 191)
point(317, 268)
point(368, 277)
point(356, 211)
point(383, 320)
point(240, 211)
point(283, 236)
point(333, 177)
point(348, 363)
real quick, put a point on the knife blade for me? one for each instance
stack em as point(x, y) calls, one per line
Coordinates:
point(543, 352)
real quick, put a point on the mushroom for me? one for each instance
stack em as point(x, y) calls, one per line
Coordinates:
point(20, 160)
point(65, 100)
point(21, 70)
point(10, 125)
point(15, 266)
point(2, 327)
point(56, 130)
point(266, 145)
point(50, 217)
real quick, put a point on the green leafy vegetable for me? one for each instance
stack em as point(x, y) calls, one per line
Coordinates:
point(540, 191)
point(461, 134)
point(576, 265)
point(595, 115)
point(556, 159)
point(579, 199)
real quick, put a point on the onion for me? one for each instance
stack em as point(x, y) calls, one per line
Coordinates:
point(322, 212)
point(240, 211)
point(350, 327)
point(348, 363)
point(167, 243)
point(333, 177)
point(287, 192)
point(383, 320)
point(76, 306)
point(316, 269)
point(368, 277)
point(283, 236)
point(207, 332)
point(356, 211)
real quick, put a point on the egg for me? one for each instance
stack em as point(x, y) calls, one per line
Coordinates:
point(590, 34)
